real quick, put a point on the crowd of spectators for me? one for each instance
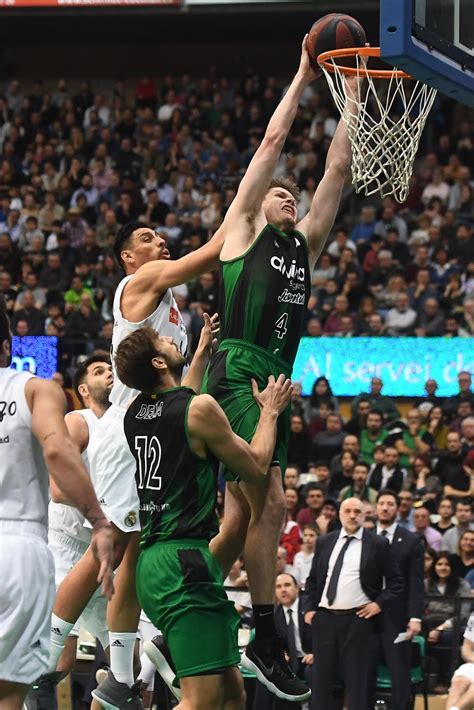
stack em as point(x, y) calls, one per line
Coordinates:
point(76, 163)
point(426, 457)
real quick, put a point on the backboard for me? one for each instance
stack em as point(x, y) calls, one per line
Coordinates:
point(432, 40)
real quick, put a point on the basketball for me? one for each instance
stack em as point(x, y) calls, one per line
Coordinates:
point(334, 31)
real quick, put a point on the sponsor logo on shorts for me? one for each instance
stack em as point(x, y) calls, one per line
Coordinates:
point(174, 316)
point(102, 501)
point(36, 644)
point(130, 519)
point(150, 411)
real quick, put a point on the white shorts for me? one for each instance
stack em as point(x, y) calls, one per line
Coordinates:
point(67, 552)
point(26, 600)
point(112, 469)
point(466, 670)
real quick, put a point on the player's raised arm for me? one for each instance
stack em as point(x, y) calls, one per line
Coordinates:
point(254, 185)
point(209, 429)
point(317, 224)
point(195, 374)
point(143, 253)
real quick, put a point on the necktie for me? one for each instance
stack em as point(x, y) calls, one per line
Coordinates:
point(292, 652)
point(332, 586)
point(384, 533)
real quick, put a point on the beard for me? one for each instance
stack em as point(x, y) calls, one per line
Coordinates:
point(100, 395)
point(176, 365)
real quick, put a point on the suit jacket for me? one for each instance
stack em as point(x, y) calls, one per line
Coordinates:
point(305, 629)
point(394, 483)
point(376, 565)
point(407, 550)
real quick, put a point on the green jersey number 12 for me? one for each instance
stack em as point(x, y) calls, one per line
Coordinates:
point(149, 459)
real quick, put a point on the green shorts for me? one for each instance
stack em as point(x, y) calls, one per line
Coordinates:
point(180, 588)
point(228, 380)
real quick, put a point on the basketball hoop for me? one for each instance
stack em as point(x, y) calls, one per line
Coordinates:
point(385, 117)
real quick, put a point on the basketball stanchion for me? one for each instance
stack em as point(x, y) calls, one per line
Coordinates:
point(385, 111)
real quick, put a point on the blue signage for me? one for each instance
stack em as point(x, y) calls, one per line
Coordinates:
point(36, 353)
point(404, 364)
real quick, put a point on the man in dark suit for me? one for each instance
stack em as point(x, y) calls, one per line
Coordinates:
point(405, 613)
point(296, 637)
point(353, 578)
point(388, 474)
point(290, 626)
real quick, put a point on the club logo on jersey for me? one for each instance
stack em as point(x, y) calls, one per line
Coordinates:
point(150, 411)
point(174, 316)
point(291, 272)
point(130, 519)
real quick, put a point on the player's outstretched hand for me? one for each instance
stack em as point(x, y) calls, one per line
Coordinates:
point(102, 546)
point(305, 67)
point(276, 394)
point(209, 332)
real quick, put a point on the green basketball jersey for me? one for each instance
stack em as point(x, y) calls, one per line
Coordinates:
point(264, 293)
point(177, 488)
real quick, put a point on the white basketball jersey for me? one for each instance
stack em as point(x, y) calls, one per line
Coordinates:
point(165, 319)
point(23, 473)
point(65, 518)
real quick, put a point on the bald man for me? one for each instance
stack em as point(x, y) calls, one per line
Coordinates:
point(343, 599)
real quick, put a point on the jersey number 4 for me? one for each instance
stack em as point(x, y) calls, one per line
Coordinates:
point(281, 328)
point(148, 449)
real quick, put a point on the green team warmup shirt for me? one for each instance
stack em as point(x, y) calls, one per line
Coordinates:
point(179, 583)
point(262, 307)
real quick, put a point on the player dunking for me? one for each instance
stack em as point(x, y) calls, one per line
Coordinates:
point(32, 434)
point(177, 438)
point(143, 297)
point(266, 262)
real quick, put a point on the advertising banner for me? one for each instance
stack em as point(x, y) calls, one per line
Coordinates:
point(404, 364)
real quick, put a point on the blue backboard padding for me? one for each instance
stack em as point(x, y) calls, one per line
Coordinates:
point(404, 364)
point(402, 50)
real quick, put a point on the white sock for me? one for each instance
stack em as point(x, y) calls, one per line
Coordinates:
point(60, 630)
point(453, 707)
point(122, 647)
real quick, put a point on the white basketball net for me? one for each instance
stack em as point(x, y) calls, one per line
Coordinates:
point(384, 123)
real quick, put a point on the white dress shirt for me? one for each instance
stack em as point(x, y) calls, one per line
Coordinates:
point(387, 473)
point(349, 593)
point(390, 531)
point(295, 608)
